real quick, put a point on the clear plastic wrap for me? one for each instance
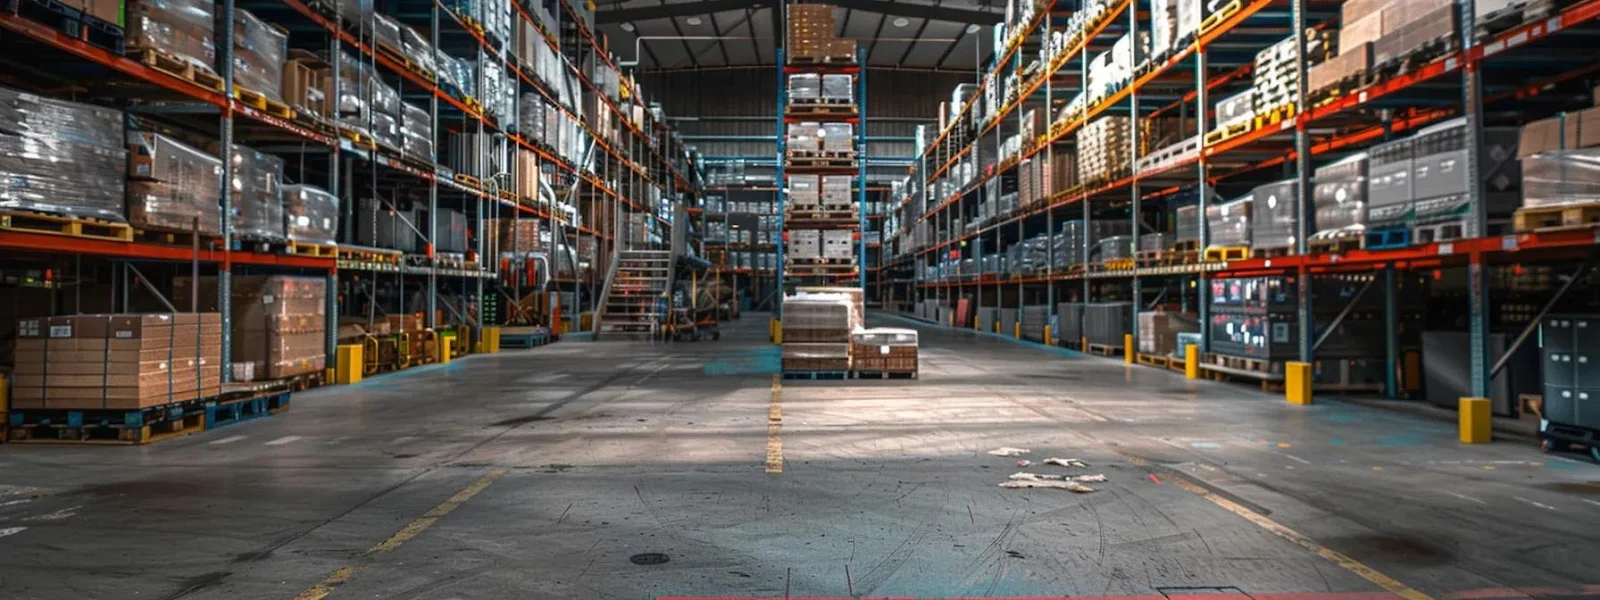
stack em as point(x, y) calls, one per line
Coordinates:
point(257, 194)
point(354, 92)
point(838, 87)
point(356, 11)
point(259, 50)
point(385, 99)
point(1339, 195)
point(278, 324)
point(1116, 247)
point(418, 49)
point(1561, 177)
point(805, 190)
point(386, 131)
point(1155, 242)
point(417, 131)
point(172, 185)
point(805, 87)
point(181, 29)
point(1188, 224)
point(310, 213)
point(457, 73)
point(386, 31)
point(884, 336)
point(61, 157)
point(1229, 222)
point(805, 137)
point(1276, 211)
point(837, 137)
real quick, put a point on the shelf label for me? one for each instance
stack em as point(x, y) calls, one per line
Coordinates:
point(1447, 248)
point(1509, 242)
point(1493, 48)
point(1451, 63)
point(1361, 98)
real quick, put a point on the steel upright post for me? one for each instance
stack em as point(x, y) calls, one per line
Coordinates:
point(861, 166)
point(1477, 271)
point(1304, 211)
point(1202, 294)
point(224, 65)
point(781, 143)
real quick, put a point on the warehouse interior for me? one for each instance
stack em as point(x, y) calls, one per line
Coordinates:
point(667, 299)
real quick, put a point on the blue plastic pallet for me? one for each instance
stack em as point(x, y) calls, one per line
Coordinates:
point(1388, 238)
point(232, 412)
point(886, 374)
point(116, 426)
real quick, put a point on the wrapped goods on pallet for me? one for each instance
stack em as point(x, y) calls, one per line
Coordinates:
point(838, 87)
point(385, 99)
point(1578, 129)
point(1105, 323)
point(805, 191)
point(359, 12)
point(836, 190)
point(172, 185)
point(387, 226)
point(805, 137)
point(1190, 14)
point(1158, 331)
point(1034, 319)
point(1440, 181)
point(416, 131)
point(853, 296)
point(805, 244)
point(1360, 29)
point(838, 244)
point(305, 86)
point(1434, 29)
point(987, 317)
point(1276, 212)
point(1163, 26)
point(386, 131)
point(1103, 149)
point(1352, 63)
point(417, 49)
point(1069, 321)
point(257, 194)
point(1558, 177)
point(884, 349)
point(450, 231)
point(521, 235)
point(837, 137)
point(810, 356)
point(311, 214)
point(813, 318)
point(1007, 320)
point(1188, 226)
point(1229, 222)
point(278, 321)
point(178, 29)
point(61, 157)
point(1263, 336)
point(1115, 247)
point(1339, 197)
point(458, 74)
point(116, 361)
point(1236, 109)
point(805, 87)
point(386, 31)
point(1389, 182)
point(353, 98)
point(1155, 242)
point(259, 51)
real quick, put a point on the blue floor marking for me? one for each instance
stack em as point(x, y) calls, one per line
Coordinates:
point(761, 360)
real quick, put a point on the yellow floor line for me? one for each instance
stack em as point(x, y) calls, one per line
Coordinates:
point(774, 427)
point(343, 574)
point(1350, 564)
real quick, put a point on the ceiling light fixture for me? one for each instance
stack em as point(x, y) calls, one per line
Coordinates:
point(901, 22)
point(973, 28)
point(694, 20)
point(627, 27)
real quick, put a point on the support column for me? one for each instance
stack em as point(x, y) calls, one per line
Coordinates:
point(1305, 208)
point(224, 64)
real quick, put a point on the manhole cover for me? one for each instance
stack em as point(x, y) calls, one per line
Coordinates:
point(649, 558)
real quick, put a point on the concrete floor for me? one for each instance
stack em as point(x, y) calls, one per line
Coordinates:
point(539, 474)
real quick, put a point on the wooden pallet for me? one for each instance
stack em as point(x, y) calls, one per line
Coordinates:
point(1334, 244)
point(1274, 116)
point(1189, 246)
point(807, 109)
point(107, 426)
point(261, 102)
point(468, 180)
point(821, 162)
point(1223, 134)
point(1118, 264)
point(66, 225)
point(1271, 252)
point(1105, 350)
point(1221, 14)
point(1226, 253)
point(1440, 231)
point(816, 375)
point(1559, 216)
point(805, 59)
point(846, 270)
point(359, 139)
point(1153, 360)
point(176, 237)
point(405, 61)
point(819, 261)
point(176, 67)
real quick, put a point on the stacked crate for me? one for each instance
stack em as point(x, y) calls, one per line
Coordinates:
point(1103, 149)
point(278, 325)
point(118, 361)
point(811, 35)
point(884, 350)
point(1276, 211)
point(1339, 198)
point(1276, 77)
point(816, 332)
point(1158, 331)
point(1229, 223)
point(172, 185)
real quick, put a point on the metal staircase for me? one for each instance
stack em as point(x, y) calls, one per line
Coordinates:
point(636, 295)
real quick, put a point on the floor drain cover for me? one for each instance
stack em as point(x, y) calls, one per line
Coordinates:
point(649, 558)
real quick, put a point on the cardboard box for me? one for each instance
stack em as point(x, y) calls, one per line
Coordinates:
point(1366, 28)
point(1574, 130)
point(305, 86)
point(110, 11)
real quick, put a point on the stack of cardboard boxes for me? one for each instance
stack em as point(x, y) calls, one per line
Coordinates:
point(279, 328)
point(1561, 159)
point(1103, 149)
point(811, 34)
point(118, 361)
point(885, 350)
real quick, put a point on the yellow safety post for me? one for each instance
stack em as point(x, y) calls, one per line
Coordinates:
point(775, 331)
point(1016, 330)
point(1297, 383)
point(1477, 426)
point(1127, 348)
point(442, 348)
point(348, 363)
point(490, 343)
point(1048, 339)
point(1191, 361)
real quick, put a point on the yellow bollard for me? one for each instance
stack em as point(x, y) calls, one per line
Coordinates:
point(348, 361)
point(442, 348)
point(1297, 383)
point(489, 340)
point(1016, 330)
point(1191, 361)
point(1083, 344)
point(1127, 348)
point(1048, 339)
point(775, 331)
point(1477, 425)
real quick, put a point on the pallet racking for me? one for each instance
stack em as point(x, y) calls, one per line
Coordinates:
point(633, 164)
point(1511, 77)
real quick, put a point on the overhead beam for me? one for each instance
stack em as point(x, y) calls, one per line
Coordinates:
point(882, 7)
point(680, 9)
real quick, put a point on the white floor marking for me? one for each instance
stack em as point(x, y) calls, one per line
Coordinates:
point(404, 440)
point(1296, 458)
point(1594, 502)
point(338, 440)
point(27, 500)
point(11, 530)
point(227, 440)
point(64, 513)
point(1467, 498)
point(283, 440)
point(1543, 506)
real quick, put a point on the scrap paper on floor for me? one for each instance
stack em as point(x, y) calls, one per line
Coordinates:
point(1071, 463)
point(1009, 451)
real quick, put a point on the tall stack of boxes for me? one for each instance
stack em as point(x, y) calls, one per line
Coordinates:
point(1560, 159)
point(1103, 146)
point(279, 329)
point(811, 34)
point(118, 361)
point(61, 157)
point(172, 185)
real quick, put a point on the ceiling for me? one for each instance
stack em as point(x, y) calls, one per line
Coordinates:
point(888, 29)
